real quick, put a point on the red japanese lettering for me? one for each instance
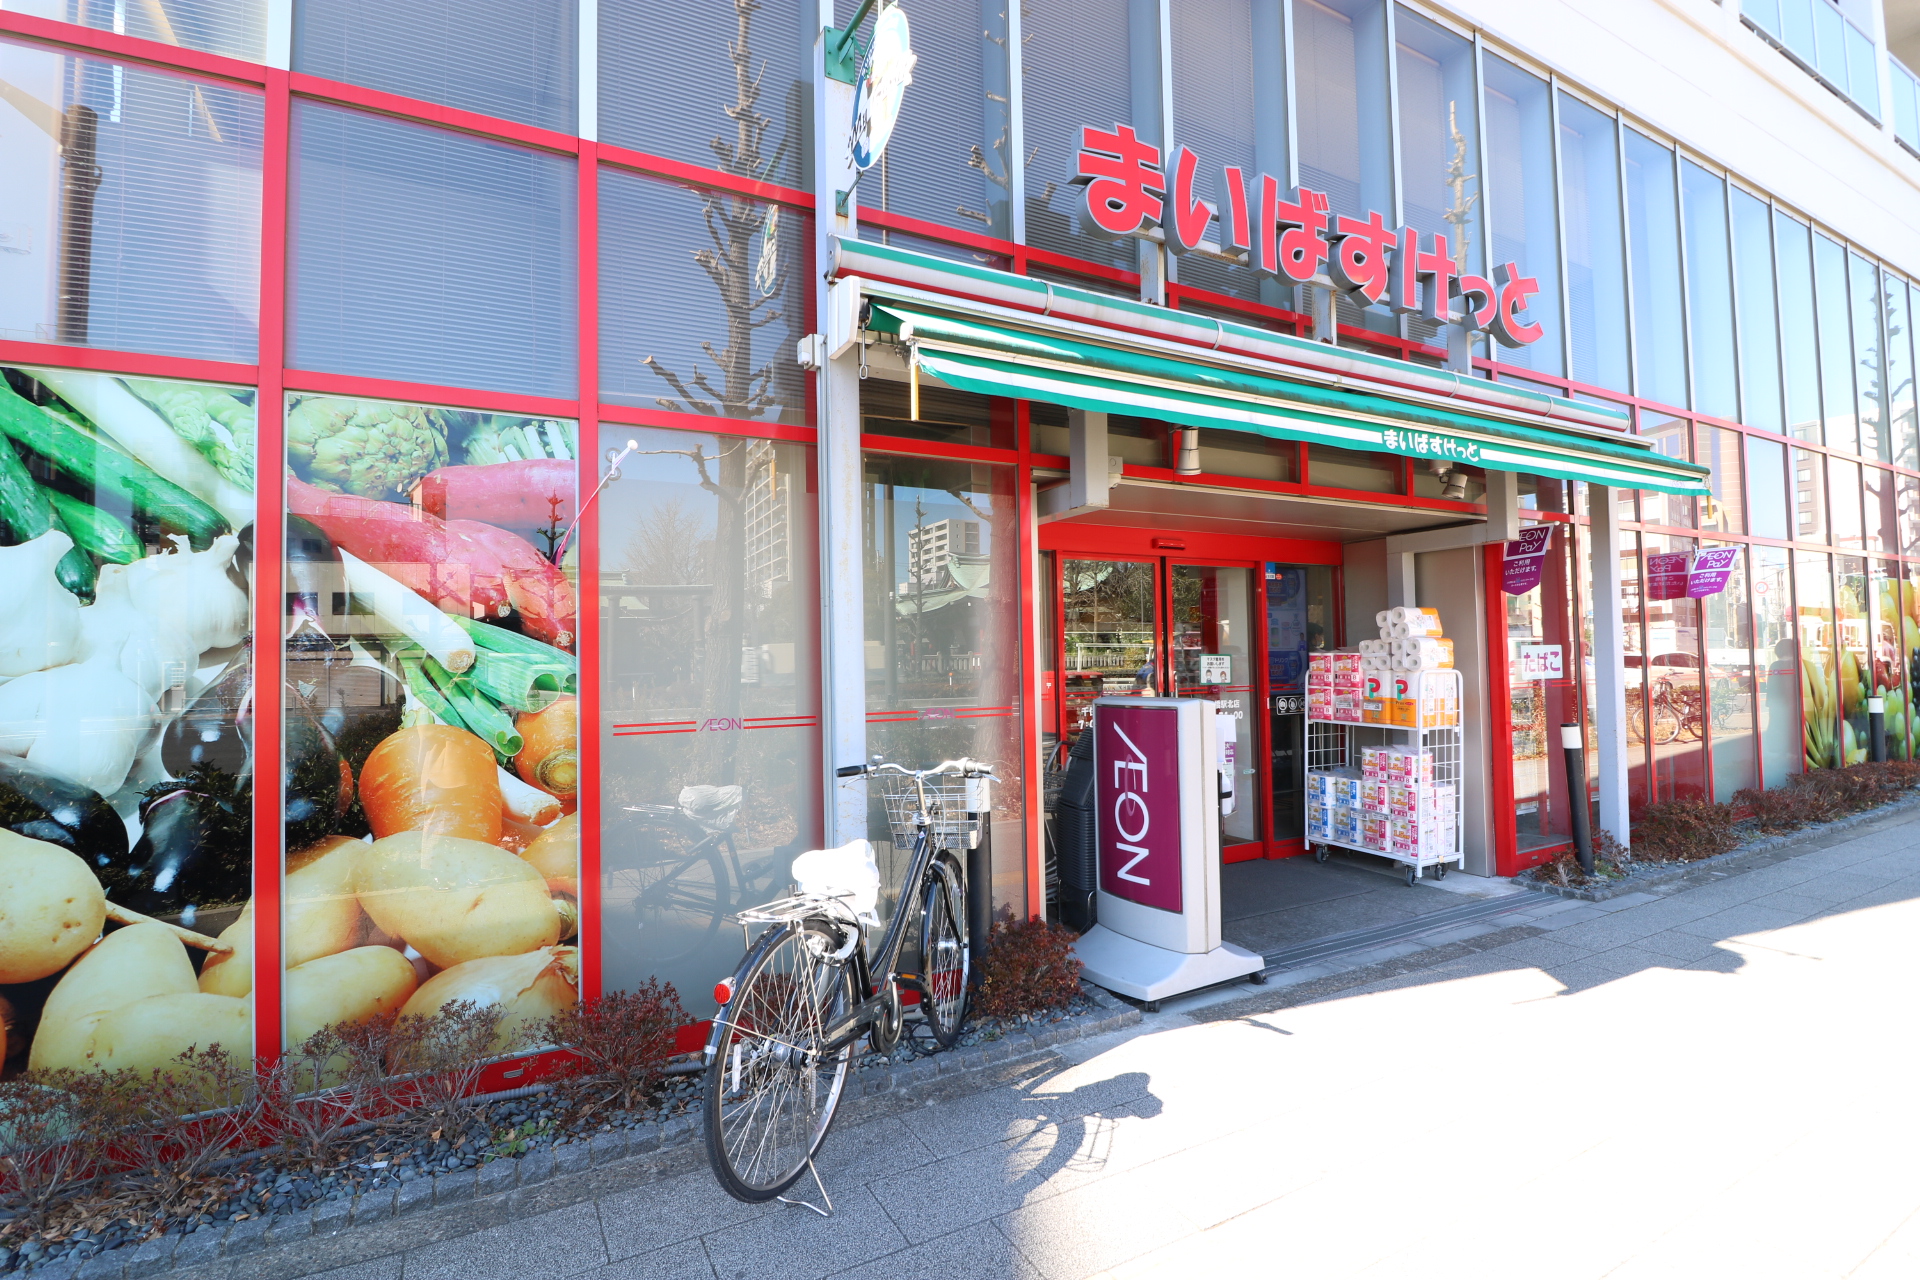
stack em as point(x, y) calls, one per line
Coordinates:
point(1235, 235)
point(1191, 216)
point(1515, 290)
point(1123, 181)
point(1421, 280)
point(1289, 243)
point(1358, 263)
point(1480, 298)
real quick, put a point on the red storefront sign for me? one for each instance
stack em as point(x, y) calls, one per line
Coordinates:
point(1284, 233)
point(1138, 798)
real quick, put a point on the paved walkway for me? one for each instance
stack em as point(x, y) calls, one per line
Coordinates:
point(1720, 1081)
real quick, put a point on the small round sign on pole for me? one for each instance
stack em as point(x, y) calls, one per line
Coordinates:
point(877, 96)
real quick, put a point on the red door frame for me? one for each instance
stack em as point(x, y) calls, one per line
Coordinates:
point(1205, 550)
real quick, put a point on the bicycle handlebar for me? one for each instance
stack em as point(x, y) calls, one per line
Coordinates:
point(963, 766)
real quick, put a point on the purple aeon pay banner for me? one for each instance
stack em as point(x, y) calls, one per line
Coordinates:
point(1525, 557)
point(1137, 752)
point(1711, 569)
point(1667, 575)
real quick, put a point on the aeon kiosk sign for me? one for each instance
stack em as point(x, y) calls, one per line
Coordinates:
point(1138, 794)
point(1289, 234)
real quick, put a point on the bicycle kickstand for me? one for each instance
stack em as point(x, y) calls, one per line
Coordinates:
point(826, 1212)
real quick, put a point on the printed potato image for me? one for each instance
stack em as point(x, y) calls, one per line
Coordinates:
point(323, 915)
point(454, 900)
point(528, 989)
point(51, 908)
point(230, 973)
point(555, 854)
point(149, 1034)
point(351, 986)
point(6, 1025)
point(128, 965)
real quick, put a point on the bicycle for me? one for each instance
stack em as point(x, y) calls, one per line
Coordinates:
point(777, 1056)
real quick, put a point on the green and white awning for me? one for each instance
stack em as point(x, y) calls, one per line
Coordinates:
point(994, 359)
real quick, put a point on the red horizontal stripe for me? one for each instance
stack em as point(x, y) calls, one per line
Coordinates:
point(680, 171)
point(427, 393)
point(144, 366)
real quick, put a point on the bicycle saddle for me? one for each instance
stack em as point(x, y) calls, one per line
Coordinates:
point(849, 870)
point(712, 808)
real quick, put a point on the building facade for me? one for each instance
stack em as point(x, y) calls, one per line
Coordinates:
point(633, 455)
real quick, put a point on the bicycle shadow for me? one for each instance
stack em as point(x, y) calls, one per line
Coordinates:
point(1073, 1133)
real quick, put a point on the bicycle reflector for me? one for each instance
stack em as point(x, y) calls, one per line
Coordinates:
point(723, 991)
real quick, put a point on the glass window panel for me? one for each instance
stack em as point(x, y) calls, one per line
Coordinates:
point(1759, 336)
point(1110, 615)
point(725, 86)
point(1439, 145)
point(1836, 344)
point(1809, 496)
point(1520, 189)
point(1542, 616)
point(157, 597)
point(1332, 468)
point(1843, 502)
point(1888, 677)
point(428, 256)
point(1800, 355)
point(1725, 512)
point(1730, 684)
point(943, 553)
point(1653, 231)
point(1909, 504)
point(231, 28)
point(1882, 526)
point(1900, 373)
point(508, 58)
point(1853, 641)
point(1083, 62)
point(1767, 489)
point(1340, 97)
point(702, 300)
point(1910, 656)
point(946, 415)
point(143, 234)
point(1709, 291)
point(1813, 597)
point(710, 711)
point(1300, 618)
point(1777, 706)
point(1213, 615)
point(1237, 453)
point(1676, 690)
point(1229, 113)
point(1869, 373)
point(1670, 436)
point(951, 152)
point(1596, 266)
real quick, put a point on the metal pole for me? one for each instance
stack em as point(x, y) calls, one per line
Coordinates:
point(1877, 728)
point(980, 894)
point(1575, 748)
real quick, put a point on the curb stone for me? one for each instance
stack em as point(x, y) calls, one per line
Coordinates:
point(1666, 875)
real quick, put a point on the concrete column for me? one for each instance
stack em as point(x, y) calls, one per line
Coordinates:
point(1609, 663)
point(843, 665)
point(1402, 589)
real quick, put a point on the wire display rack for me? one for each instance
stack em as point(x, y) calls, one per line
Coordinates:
point(1337, 744)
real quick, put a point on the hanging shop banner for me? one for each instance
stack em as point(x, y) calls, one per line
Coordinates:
point(1525, 559)
point(1290, 234)
point(1710, 571)
point(1667, 575)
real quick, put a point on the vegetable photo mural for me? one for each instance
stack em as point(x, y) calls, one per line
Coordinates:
point(431, 714)
point(126, 537)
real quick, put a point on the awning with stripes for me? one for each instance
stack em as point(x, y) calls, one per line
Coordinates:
point(972, 354)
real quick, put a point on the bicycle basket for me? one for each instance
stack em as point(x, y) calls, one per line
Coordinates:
point(951, 801)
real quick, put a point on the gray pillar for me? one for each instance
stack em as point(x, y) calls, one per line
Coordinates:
point(843, 666)
point(1402, 592)
point(1609, 663)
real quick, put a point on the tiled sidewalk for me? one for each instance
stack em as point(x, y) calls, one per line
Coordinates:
point(1714, 1079)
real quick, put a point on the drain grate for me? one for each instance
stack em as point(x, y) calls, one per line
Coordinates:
point(1380, 935)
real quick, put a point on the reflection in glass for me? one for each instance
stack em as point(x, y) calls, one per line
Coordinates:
point(1671, 436)
point(1703, 198)
point(1767, 489)
point(1809, 496)
point(1882, 528)
point(1659, 335)
point(1343, 130)
point(1843, 502)
point(1725, 511)
point(943, 627)
point(1231, 109)
point(1869, 368)
point(1299, 620)
point(1775, 666)
point(1109, 629)
point(130, 210)
point(1836, 344)
point(1759, 338)
point(232, 28)
point(1853, 638)
point(1082, 62)
point(126, 764)
point(1520, 188)
point(1730, 685)
point(1211, 647)
point(1900, 372)
point(1888, 676)
point(701, 300)
point(711, 715)
point(1820, 680)
point(1439, 144)
point(1541, 617)
point(1596, 269)
point(1801, 350)
point(1676, 691)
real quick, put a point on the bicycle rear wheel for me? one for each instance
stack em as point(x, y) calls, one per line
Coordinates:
point(771, 1088)
point(944, 961)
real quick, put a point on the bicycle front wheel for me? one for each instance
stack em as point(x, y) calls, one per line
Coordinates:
point(1666, 723)
point(945, 964)
point(772, 1085)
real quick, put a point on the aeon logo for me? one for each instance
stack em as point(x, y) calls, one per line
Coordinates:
point(1131, 802)
point(1137, 802)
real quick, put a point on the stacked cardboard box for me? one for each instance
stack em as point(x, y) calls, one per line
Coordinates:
point(1419, 812)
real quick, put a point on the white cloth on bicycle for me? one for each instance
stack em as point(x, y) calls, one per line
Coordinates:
point(849, 870)
point(712, 808)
